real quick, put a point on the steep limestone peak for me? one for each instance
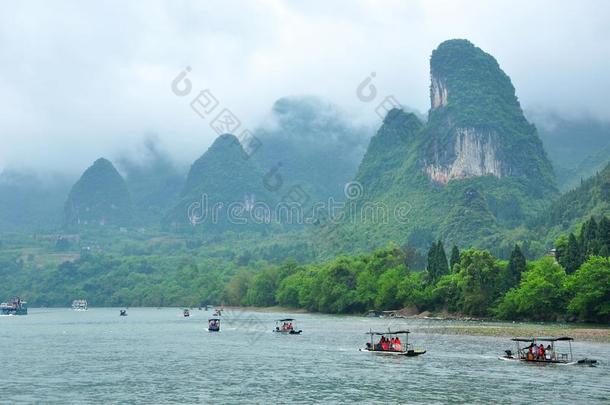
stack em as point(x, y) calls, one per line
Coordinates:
point(100, 197)
point(222, 159)
point(476, 126)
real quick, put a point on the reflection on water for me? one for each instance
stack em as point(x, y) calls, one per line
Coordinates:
point(157, 355)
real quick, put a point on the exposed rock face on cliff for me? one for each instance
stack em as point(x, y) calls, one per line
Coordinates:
point(473, 154)
point(438, 93)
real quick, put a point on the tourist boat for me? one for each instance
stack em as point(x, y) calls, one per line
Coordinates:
point(217, 312)
point(14, 307)
point(123, 312)
point(286, 326)
point(186, 313)
point(552, 354)
point(214, 325)
point(404, 348)
point(79, 305)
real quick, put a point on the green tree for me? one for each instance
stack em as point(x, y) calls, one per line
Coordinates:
point(541, 295)
point(511, 275)
point(388, 286)
point(455, 257)
point(411, 290)
point(237, 288)
point(443, 266)
point(588, 239)
point(590, 286)
point(603, 232)
point(437, 262)
point(334, 286)
point(262, 288)
point(294, 290)
point(477, 282)
point(572, 258)
point(446, 294)
point(561, 250)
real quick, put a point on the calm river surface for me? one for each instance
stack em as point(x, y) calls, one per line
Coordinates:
point(157, 356)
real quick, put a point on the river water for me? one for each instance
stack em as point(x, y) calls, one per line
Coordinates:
point(157, 356)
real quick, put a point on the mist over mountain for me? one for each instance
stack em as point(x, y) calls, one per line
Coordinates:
point(577, 146)
point(311, 143)
point(590, 198)
point(154, 181)
point(30, 201)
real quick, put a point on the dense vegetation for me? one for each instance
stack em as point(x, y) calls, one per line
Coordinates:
point(173, 272)
point(472, 283)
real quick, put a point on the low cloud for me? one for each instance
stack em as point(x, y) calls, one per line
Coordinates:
point(81, 80)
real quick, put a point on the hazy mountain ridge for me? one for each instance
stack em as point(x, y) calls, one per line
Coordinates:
point(591, 198)
point(474, 173)
point(29, 202)
point(312, 144)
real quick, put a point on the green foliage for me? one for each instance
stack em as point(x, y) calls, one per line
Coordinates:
point(590, 286)
point(593, 240)
point(511, 274)
point(107, 280)
point(477, 278)
point(437, 262)
point(261, 289)
point(541, 295)
point(478, 90)
point(455, 257)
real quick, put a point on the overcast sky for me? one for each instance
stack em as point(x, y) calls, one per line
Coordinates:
point(81, 80)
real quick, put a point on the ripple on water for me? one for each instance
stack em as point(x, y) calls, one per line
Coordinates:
point(155, 356)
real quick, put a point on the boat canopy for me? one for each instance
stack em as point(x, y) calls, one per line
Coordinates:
point(213, 319)
point(285, 320)
point(398, 332)
point(544, 339)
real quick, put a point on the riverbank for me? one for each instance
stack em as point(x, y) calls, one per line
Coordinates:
point(509, 330)
point(444, 323)
point(275, 309)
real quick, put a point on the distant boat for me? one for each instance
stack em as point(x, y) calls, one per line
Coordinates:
point(79, 305)
point(287, 326)
point(537, 353)
point(218, 312)
point(214, 325)
point(390, 344)
point(123, 312)
point(14, 307)
point(186, 313)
